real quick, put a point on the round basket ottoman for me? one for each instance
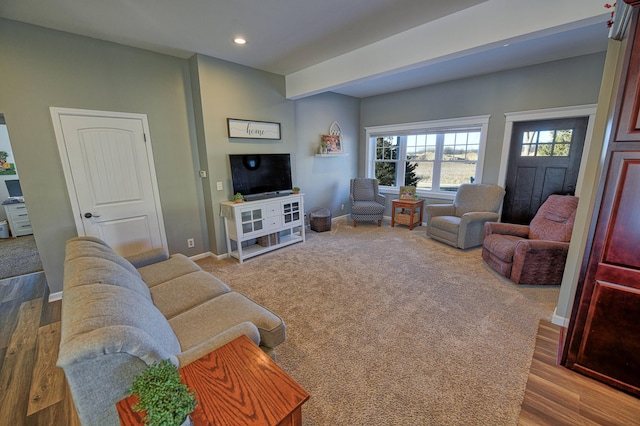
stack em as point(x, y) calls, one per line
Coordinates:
point(320, 220)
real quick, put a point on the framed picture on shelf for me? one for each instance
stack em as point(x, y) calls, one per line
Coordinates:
point(407, 192)
point(332, 143)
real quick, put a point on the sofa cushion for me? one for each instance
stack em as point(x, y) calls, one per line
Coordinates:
point(102, 319)
point(92, 247)
point(225, 311)
point(446, 223)
point(177, 265)
point(95, 270)
point(183, 293)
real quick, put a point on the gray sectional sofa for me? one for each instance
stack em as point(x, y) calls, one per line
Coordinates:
point(120, 315)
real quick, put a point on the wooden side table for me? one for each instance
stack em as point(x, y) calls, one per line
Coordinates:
point(237, 384)
point(410, 219)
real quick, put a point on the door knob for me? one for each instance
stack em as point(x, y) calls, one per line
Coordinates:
point(88, 215)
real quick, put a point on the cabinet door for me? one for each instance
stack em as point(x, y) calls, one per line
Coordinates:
point(291, 215)
point(606, 340)
point(251, 221)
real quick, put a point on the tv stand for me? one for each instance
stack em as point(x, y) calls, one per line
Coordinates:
point(257, 227)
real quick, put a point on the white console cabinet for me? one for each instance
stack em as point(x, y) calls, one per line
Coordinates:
point(257, 227)
point(18, 218)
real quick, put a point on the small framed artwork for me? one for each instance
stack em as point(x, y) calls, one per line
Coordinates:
point(248, 129)
point(332, 144)
point(407, 192)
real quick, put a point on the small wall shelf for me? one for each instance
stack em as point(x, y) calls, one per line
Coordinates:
point(332, 155)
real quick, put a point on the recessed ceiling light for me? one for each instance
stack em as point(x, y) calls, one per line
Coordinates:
point(239, 40)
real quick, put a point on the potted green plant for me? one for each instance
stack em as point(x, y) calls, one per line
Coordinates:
point(324, 146)
point(296, 190)
point(163, 398)
point(238, 198)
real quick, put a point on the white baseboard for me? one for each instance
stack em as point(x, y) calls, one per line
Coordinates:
point(55, 296)
point(208, 254)
point(558, 320)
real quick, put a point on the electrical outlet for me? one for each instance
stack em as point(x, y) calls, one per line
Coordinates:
point(219, 186)
point(342, 207)
point(191, 243)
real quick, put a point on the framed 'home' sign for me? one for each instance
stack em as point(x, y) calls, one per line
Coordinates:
point(253, 129)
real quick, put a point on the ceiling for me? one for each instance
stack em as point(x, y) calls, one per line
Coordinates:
point(295, 37)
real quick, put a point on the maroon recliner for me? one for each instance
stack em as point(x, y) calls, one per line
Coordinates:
point(534, 253)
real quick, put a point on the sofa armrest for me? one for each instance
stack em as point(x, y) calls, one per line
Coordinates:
point(472, 217)
point(539, 262)
point(506, 229)
point(538, 246)
point(380, 199)
point(245, 328)
point(148, 257)
point(434, 210)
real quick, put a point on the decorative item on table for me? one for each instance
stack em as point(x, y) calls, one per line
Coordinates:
point(296, 190)
point(163, 398)
point(238, 198)
point(408, 193)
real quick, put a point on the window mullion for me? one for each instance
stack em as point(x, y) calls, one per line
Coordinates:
point(402, 160)
point(437, 161)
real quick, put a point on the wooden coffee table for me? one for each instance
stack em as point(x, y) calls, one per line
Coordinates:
point(411, 219)
point(237, 384)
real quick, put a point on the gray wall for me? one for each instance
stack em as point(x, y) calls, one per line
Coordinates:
point(41, 68)
point(325, 180)
point(226, 90)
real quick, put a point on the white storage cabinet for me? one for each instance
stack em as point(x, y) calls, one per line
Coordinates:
point(18, 218)
point(256, 227)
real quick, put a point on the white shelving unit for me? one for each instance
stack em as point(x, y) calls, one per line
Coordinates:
point(257, 227)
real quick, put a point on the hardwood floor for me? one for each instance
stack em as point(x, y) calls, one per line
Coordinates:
point(558, 396)
point(33, 390)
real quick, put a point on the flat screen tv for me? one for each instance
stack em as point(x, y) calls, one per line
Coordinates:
point(259, 176)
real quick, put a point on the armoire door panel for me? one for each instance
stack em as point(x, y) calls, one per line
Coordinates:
point(622, 240)
point(612, 345)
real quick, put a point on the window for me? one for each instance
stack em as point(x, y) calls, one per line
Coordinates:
point(436, 156)
point(546, 143)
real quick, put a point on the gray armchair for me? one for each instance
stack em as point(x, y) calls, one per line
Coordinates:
point(461, 224)
point(366, 203)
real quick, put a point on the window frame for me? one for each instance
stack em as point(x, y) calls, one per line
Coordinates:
point(404, 129)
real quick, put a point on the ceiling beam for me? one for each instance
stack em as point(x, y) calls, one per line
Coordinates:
point(481, 27)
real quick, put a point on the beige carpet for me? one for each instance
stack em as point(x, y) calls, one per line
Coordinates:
point(388, 327)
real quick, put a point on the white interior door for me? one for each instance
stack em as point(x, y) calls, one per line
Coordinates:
point(110, 175)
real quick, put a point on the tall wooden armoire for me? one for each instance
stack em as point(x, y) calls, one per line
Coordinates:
point(603, 338)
